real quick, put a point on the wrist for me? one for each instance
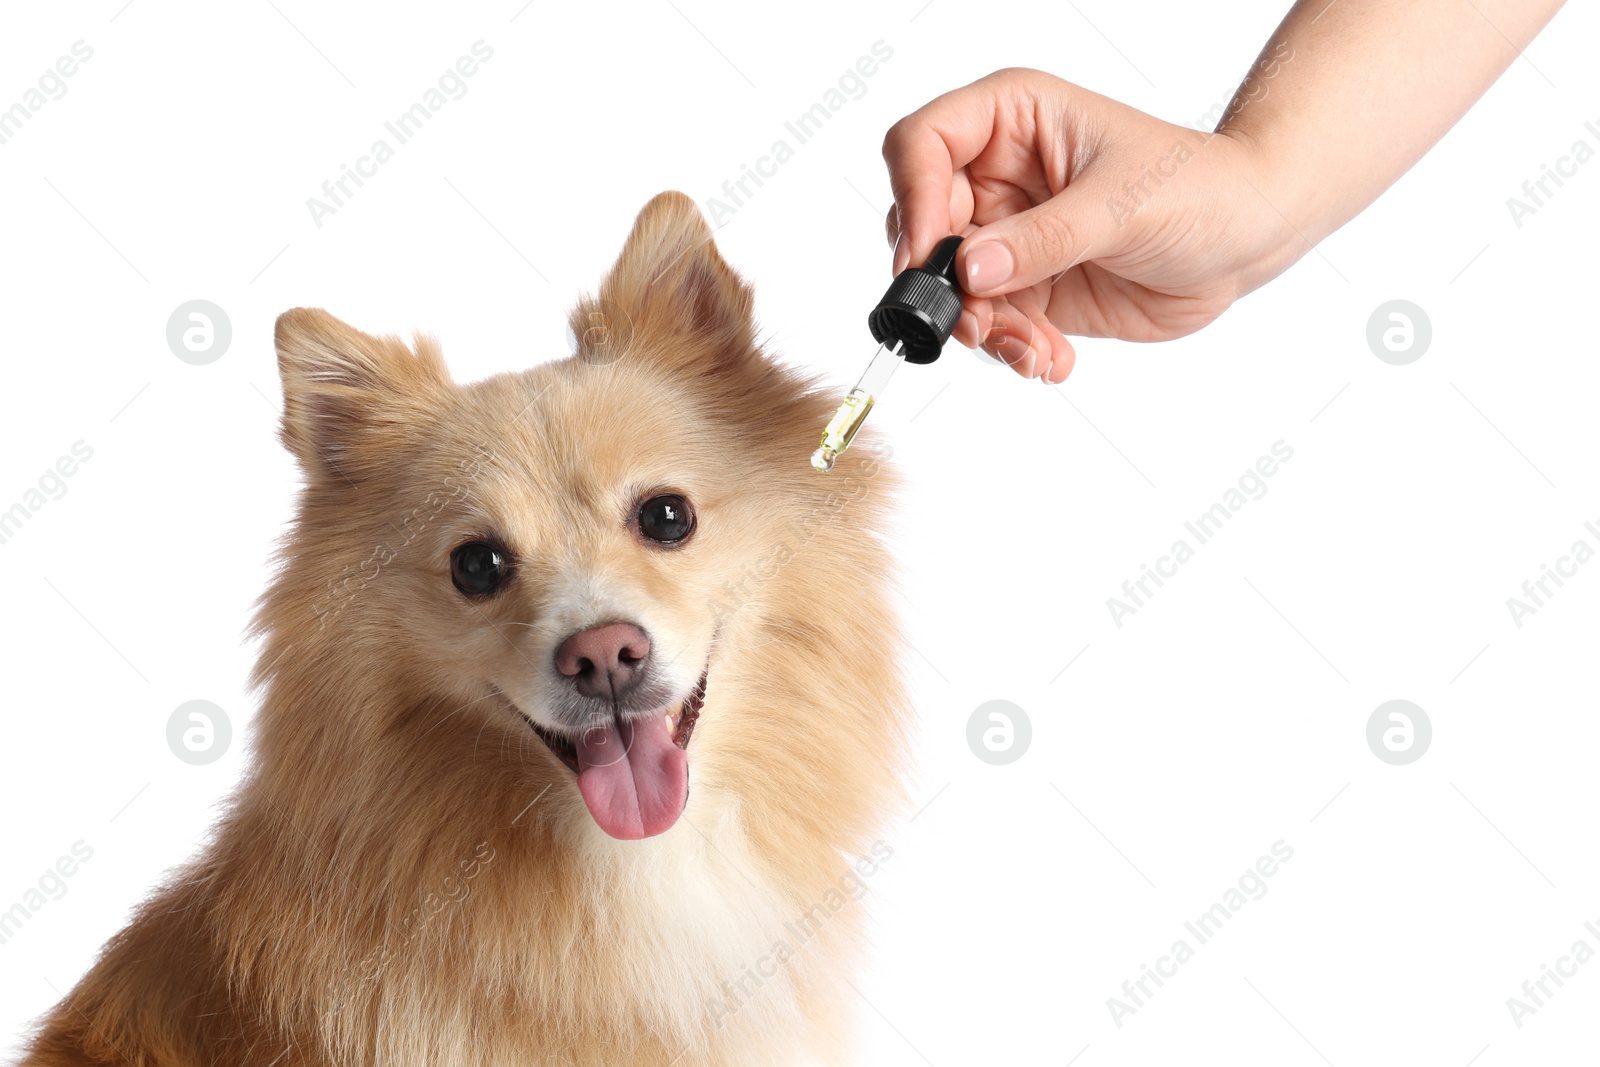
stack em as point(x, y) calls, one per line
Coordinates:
point(1278, 214)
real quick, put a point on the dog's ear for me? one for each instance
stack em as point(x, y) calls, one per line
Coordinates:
point(670, 296)
point(350, 398)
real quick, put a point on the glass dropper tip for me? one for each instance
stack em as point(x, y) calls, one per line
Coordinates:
point(841, 430)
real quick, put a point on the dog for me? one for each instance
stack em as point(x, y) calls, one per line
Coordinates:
point(581, 711)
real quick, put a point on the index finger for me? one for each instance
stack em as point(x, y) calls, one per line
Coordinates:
point(923, 152)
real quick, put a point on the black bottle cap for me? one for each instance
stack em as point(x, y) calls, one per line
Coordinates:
point(921, 307)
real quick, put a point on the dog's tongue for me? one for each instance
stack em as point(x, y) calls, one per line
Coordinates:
point(633, 778)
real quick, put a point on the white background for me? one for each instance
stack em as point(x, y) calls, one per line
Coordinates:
point(1226, 715)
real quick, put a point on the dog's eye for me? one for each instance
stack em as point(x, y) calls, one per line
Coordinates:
point(666, 519)
point(478, 568)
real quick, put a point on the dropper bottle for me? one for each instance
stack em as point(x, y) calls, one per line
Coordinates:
point(911, 324)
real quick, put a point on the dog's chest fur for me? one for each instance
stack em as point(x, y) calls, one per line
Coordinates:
point(683, 939)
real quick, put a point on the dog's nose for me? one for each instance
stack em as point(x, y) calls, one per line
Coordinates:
point(604, 661)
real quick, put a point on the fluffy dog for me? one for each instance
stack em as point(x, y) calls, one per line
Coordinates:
point(581, 709)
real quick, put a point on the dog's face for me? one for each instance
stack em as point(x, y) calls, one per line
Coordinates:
point(571, 550)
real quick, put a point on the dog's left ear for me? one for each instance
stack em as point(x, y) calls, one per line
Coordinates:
point(670, 296)
point(350, 399)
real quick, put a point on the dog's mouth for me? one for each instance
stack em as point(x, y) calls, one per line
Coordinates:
point(632, 771)
point(680, 720)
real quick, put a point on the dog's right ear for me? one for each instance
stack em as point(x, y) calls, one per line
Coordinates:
point(671, 295)
point(349, 398)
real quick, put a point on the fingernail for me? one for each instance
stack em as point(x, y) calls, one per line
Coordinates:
point(989, 266)
point(902, 253)
point(1018, 354)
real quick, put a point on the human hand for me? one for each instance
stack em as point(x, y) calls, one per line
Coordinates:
point(1081, 215)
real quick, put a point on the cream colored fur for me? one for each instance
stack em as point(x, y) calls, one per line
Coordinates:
point(408, 875)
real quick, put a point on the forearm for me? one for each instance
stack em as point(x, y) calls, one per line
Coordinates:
point(1348, 94)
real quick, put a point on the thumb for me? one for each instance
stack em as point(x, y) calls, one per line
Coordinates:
point(1031, 246)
